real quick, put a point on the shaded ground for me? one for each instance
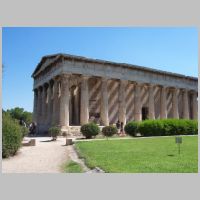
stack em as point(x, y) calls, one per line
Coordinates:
point(45, 157)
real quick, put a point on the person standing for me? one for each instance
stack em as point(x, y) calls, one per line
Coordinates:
point(118, 126)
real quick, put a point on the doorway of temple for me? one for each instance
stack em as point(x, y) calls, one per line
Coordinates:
point(74, 106)
point(145, 113)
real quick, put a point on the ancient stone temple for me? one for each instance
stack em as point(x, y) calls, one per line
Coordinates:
point(72, 90)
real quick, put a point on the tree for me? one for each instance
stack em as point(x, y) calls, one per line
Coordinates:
point(20, 113)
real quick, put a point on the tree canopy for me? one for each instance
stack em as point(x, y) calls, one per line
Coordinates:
point(20, 113)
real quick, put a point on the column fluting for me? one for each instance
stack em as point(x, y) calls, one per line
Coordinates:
point(84, 115)
point(122, 103)
point(138, 105)
point(175, 103)
point(185, 105)
point(194, 105)
point(64, 101)
point(151, 102)
point(163, 109)
point(104, 102)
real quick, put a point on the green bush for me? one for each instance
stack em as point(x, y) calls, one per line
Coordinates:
point(24, 131)
point(168, 127)
point(131, 128)
point(192, 127)
point(151, 128)
point(109, 131)
point(54, 131)
point(11, 136)
point(90, 129)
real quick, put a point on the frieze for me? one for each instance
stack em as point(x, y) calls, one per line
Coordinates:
point(114, 72)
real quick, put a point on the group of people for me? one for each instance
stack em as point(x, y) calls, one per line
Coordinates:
point(31, 126)
point(120, 128)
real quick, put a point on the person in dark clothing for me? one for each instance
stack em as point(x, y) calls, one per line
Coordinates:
point(32, 128)
point(118, 126)
point(122, 128)
point(22, 122)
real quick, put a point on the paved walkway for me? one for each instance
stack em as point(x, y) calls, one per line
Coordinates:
point(45, 157)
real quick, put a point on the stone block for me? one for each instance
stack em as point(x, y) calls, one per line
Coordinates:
point(69, 142)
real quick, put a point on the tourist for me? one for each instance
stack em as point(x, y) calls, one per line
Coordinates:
point(122, 129)
point(22, 122)
point(118, 126)
point(32, 128)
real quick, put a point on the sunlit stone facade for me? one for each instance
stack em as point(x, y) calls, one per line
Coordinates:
point(70, 90)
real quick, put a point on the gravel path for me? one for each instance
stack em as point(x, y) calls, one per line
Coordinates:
point(45, 157)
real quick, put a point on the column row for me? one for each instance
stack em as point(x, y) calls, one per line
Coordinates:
point(51, 102)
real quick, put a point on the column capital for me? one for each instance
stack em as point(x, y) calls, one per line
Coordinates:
point(104, 79)
point(56, 78)
point(65, 75)
point(193, 92)
point(35, 89)
point(124, 81)
point(138, 84)
point(150, 85)
point(85, 77)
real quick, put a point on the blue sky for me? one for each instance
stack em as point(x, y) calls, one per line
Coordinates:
point(168, 49)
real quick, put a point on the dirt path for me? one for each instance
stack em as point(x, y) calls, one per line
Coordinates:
point(45, 157)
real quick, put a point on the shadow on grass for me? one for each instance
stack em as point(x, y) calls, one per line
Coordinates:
point(171, 155)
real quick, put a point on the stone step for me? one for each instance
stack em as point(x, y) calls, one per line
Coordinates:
point(74, 131)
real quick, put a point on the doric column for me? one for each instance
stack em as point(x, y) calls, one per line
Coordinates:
point(84, 100)
point(138, 105)
point(35, 104)
point(64, 101)
point(55, 101)
point(104, 102)
point(122, 103)
point(185, 105)
point(39, 107)
point(175, 103)
point(44, 104)
point(76, 106)
point(151, 102)
point(194, 105)
point(49, 103)
point(163, 109)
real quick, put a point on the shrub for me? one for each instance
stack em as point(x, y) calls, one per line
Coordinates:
point(54, 132)
point(151, 128)
point(24, 131)
point(109, 131)
point(168, 127)
point(90, 129)
point(192, 127)
point(11, 136)
point(131, 128)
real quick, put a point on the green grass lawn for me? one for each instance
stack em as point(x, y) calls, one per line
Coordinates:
point(71, 167)
point(141, 155)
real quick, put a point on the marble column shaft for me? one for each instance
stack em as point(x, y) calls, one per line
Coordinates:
point(122, 102)
point(76, 106)
point(104, 102)
point(163, 109)
point(185, 105)
point(151, 102)
point(64, 101)
point(194, 106)
point(138, 105)
point(55, 101)
point(175, 103)
point(84, 115)
point(49, 104)
point(35, 104)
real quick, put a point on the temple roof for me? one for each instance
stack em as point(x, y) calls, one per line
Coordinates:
point(55, 57)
